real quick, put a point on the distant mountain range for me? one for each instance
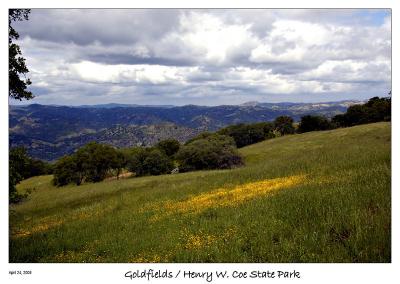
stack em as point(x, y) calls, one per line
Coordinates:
point(49, 131)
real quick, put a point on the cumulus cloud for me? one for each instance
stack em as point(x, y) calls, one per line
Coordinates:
point(137, 74)
point(206, 56)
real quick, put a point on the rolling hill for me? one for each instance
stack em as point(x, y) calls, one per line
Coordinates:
point(49, 132)
point(314, 197)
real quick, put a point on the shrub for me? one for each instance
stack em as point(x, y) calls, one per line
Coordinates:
point(314, 123)
point(213, 152)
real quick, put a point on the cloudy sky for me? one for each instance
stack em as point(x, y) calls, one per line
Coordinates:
point(206, 57)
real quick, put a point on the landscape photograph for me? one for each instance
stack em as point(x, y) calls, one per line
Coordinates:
point(200, 135)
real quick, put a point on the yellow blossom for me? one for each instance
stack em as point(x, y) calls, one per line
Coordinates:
point(226, 197)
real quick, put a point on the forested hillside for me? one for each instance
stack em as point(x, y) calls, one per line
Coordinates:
point(49, 132)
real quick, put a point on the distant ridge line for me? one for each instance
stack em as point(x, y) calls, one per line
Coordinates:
point(246, 104)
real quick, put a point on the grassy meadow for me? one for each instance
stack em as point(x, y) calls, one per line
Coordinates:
point(314, 197)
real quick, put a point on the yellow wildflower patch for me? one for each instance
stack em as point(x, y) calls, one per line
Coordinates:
point(201, 240)
point(188, 241)
point(86, 254)
point(50, 222)
point(149, 258)
point(44, 226)
point(146, 259)
point(20, 234)
point(223, 197)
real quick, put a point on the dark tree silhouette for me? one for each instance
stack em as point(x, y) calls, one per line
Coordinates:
point(18, 161)
point(314, 123)
point(284, 125)
point(16, 65)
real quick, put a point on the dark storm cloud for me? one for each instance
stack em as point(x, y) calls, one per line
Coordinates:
point(106, 26)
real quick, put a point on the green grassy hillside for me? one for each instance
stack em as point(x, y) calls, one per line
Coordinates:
point(314, 197)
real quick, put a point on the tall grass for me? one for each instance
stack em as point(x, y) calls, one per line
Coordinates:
point(314, 197)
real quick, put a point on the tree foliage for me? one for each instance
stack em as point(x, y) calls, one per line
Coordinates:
point(38, 168)
point(246, 134)
point(21, 167)
point(65, 171)
point(314, 123)
point(119, 162)
point(94, 160)
point(284, 125)
point(18, 162)
point(157, 163)
point(202, 135)
point(213, 152)
point(376, 109)
point(92, 163)
point(169, 146)
point(148, 161)
point(135, 159)
point(16, 65)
